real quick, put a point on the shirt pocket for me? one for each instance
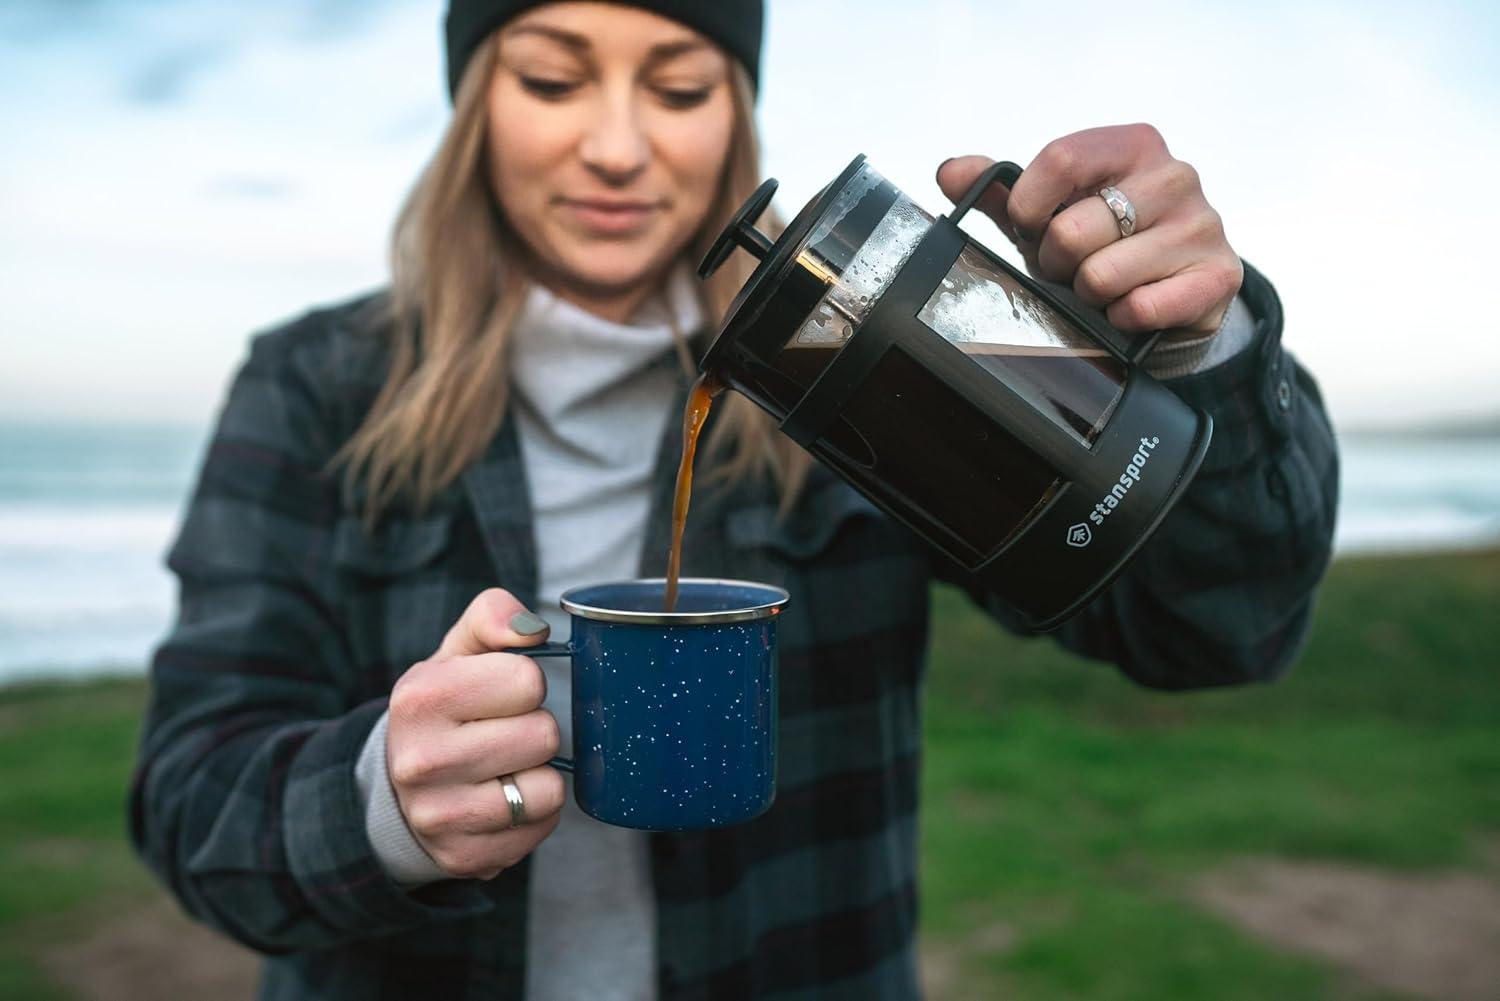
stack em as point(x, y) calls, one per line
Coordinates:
point(401, 595)
point(396, 547)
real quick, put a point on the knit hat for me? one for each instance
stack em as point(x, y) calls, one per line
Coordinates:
point(733, 24)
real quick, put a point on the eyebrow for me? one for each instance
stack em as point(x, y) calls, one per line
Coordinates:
point(658, 53)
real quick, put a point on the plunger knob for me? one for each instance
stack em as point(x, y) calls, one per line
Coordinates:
point(741, 231)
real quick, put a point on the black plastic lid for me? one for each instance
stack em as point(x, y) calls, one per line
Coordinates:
point(777, 280)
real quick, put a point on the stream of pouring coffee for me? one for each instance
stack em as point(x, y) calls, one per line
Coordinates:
point(700, 401)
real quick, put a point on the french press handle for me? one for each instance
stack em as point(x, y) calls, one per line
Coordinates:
point(1004, 171)
point(1131, 348)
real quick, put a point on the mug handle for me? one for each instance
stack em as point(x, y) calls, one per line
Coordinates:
point(548, 650)
point(1129, 349)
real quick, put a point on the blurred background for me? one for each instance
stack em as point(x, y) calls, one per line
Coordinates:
point(175, 176)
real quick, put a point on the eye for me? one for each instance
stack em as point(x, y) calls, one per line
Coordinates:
point(550, 90)
point(683, 99)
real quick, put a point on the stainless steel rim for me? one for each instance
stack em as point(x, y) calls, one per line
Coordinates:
point(746, 614)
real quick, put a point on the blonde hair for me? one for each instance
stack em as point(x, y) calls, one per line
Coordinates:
point(457, 286)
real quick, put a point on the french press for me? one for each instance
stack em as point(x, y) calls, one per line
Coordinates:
point(1001, 418)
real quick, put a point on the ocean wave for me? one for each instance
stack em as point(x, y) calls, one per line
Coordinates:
point(29, 528)
point(1414, 529)
point(83, 583)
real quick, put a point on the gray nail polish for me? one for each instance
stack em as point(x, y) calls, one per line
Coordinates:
point(527, 623)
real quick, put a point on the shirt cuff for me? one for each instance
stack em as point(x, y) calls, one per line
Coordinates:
point(396, 848)
point(1253, 394)
point(1175, 359)
point(331, 858)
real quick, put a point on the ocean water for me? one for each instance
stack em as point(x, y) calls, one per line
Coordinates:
point(1417, 493)
point(87, 514)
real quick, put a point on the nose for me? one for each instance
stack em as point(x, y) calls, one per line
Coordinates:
point(614, 147)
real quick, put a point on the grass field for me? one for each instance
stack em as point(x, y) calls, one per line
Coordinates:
point(1076, 812)
point(1070, 820)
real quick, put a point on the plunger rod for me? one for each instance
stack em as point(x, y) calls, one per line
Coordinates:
point(752, 239)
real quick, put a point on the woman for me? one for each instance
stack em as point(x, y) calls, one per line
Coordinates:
point(400, 486)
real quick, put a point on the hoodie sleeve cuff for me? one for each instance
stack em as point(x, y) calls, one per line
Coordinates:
point(1235, 334)
point(396, 848)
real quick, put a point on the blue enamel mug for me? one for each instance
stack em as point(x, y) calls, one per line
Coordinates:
point(674, 713)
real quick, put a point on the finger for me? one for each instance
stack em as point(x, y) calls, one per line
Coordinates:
point(481, 686)
point(506, 684)
point(440, 816)
point(1084, 228)
point(486, 748)
point(1192, 300)
point(1089, 225)
point(486, 855)
point(1119, 266)
point(474, 751)
point(512, 846)
point(494, 620)
point(957, 175)
point(1077, 165)
point(543, 792)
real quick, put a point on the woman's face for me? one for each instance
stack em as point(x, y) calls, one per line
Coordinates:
point(608, 131)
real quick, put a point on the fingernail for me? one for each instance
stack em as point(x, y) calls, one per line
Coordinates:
point(527, 623)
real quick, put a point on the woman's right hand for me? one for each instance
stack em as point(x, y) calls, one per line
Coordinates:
point(457, 722)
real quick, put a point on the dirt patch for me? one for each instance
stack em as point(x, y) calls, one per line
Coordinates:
point(975, 808)
point(1431, 936)
point(1489, 853)
point(57, 851)
point(942, 963)
point(153, 953)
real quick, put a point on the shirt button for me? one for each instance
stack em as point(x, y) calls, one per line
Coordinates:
point(1284, 395)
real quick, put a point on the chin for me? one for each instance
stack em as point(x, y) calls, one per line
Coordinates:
point(618, 269)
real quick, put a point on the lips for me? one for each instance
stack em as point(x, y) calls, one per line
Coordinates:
point(610, 215)
point(612, 204)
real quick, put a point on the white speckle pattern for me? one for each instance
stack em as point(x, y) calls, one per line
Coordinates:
point(690, 737)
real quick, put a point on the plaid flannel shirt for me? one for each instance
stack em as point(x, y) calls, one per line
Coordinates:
point(294, 624)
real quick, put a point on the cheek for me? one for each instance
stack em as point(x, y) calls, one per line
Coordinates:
point(695, 153)
point(522, 152)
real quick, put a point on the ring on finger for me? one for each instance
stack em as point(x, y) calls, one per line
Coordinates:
point(1121, 206)
point(514, 800)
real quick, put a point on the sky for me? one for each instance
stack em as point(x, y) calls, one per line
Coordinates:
point(178, 174)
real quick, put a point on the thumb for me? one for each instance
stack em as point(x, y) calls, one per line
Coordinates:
point(494, 620)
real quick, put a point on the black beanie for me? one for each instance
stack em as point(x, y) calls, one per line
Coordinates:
point(733, 24)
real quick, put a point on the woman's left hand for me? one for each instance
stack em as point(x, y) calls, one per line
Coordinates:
point(1176, 272)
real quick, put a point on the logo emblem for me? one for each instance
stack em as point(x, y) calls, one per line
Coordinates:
point(1079, 535)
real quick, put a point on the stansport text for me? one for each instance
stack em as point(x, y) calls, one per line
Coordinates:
point(1128, 479)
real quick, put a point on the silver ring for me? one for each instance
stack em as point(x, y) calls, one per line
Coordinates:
point(1122, 208)
point(513, 797)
